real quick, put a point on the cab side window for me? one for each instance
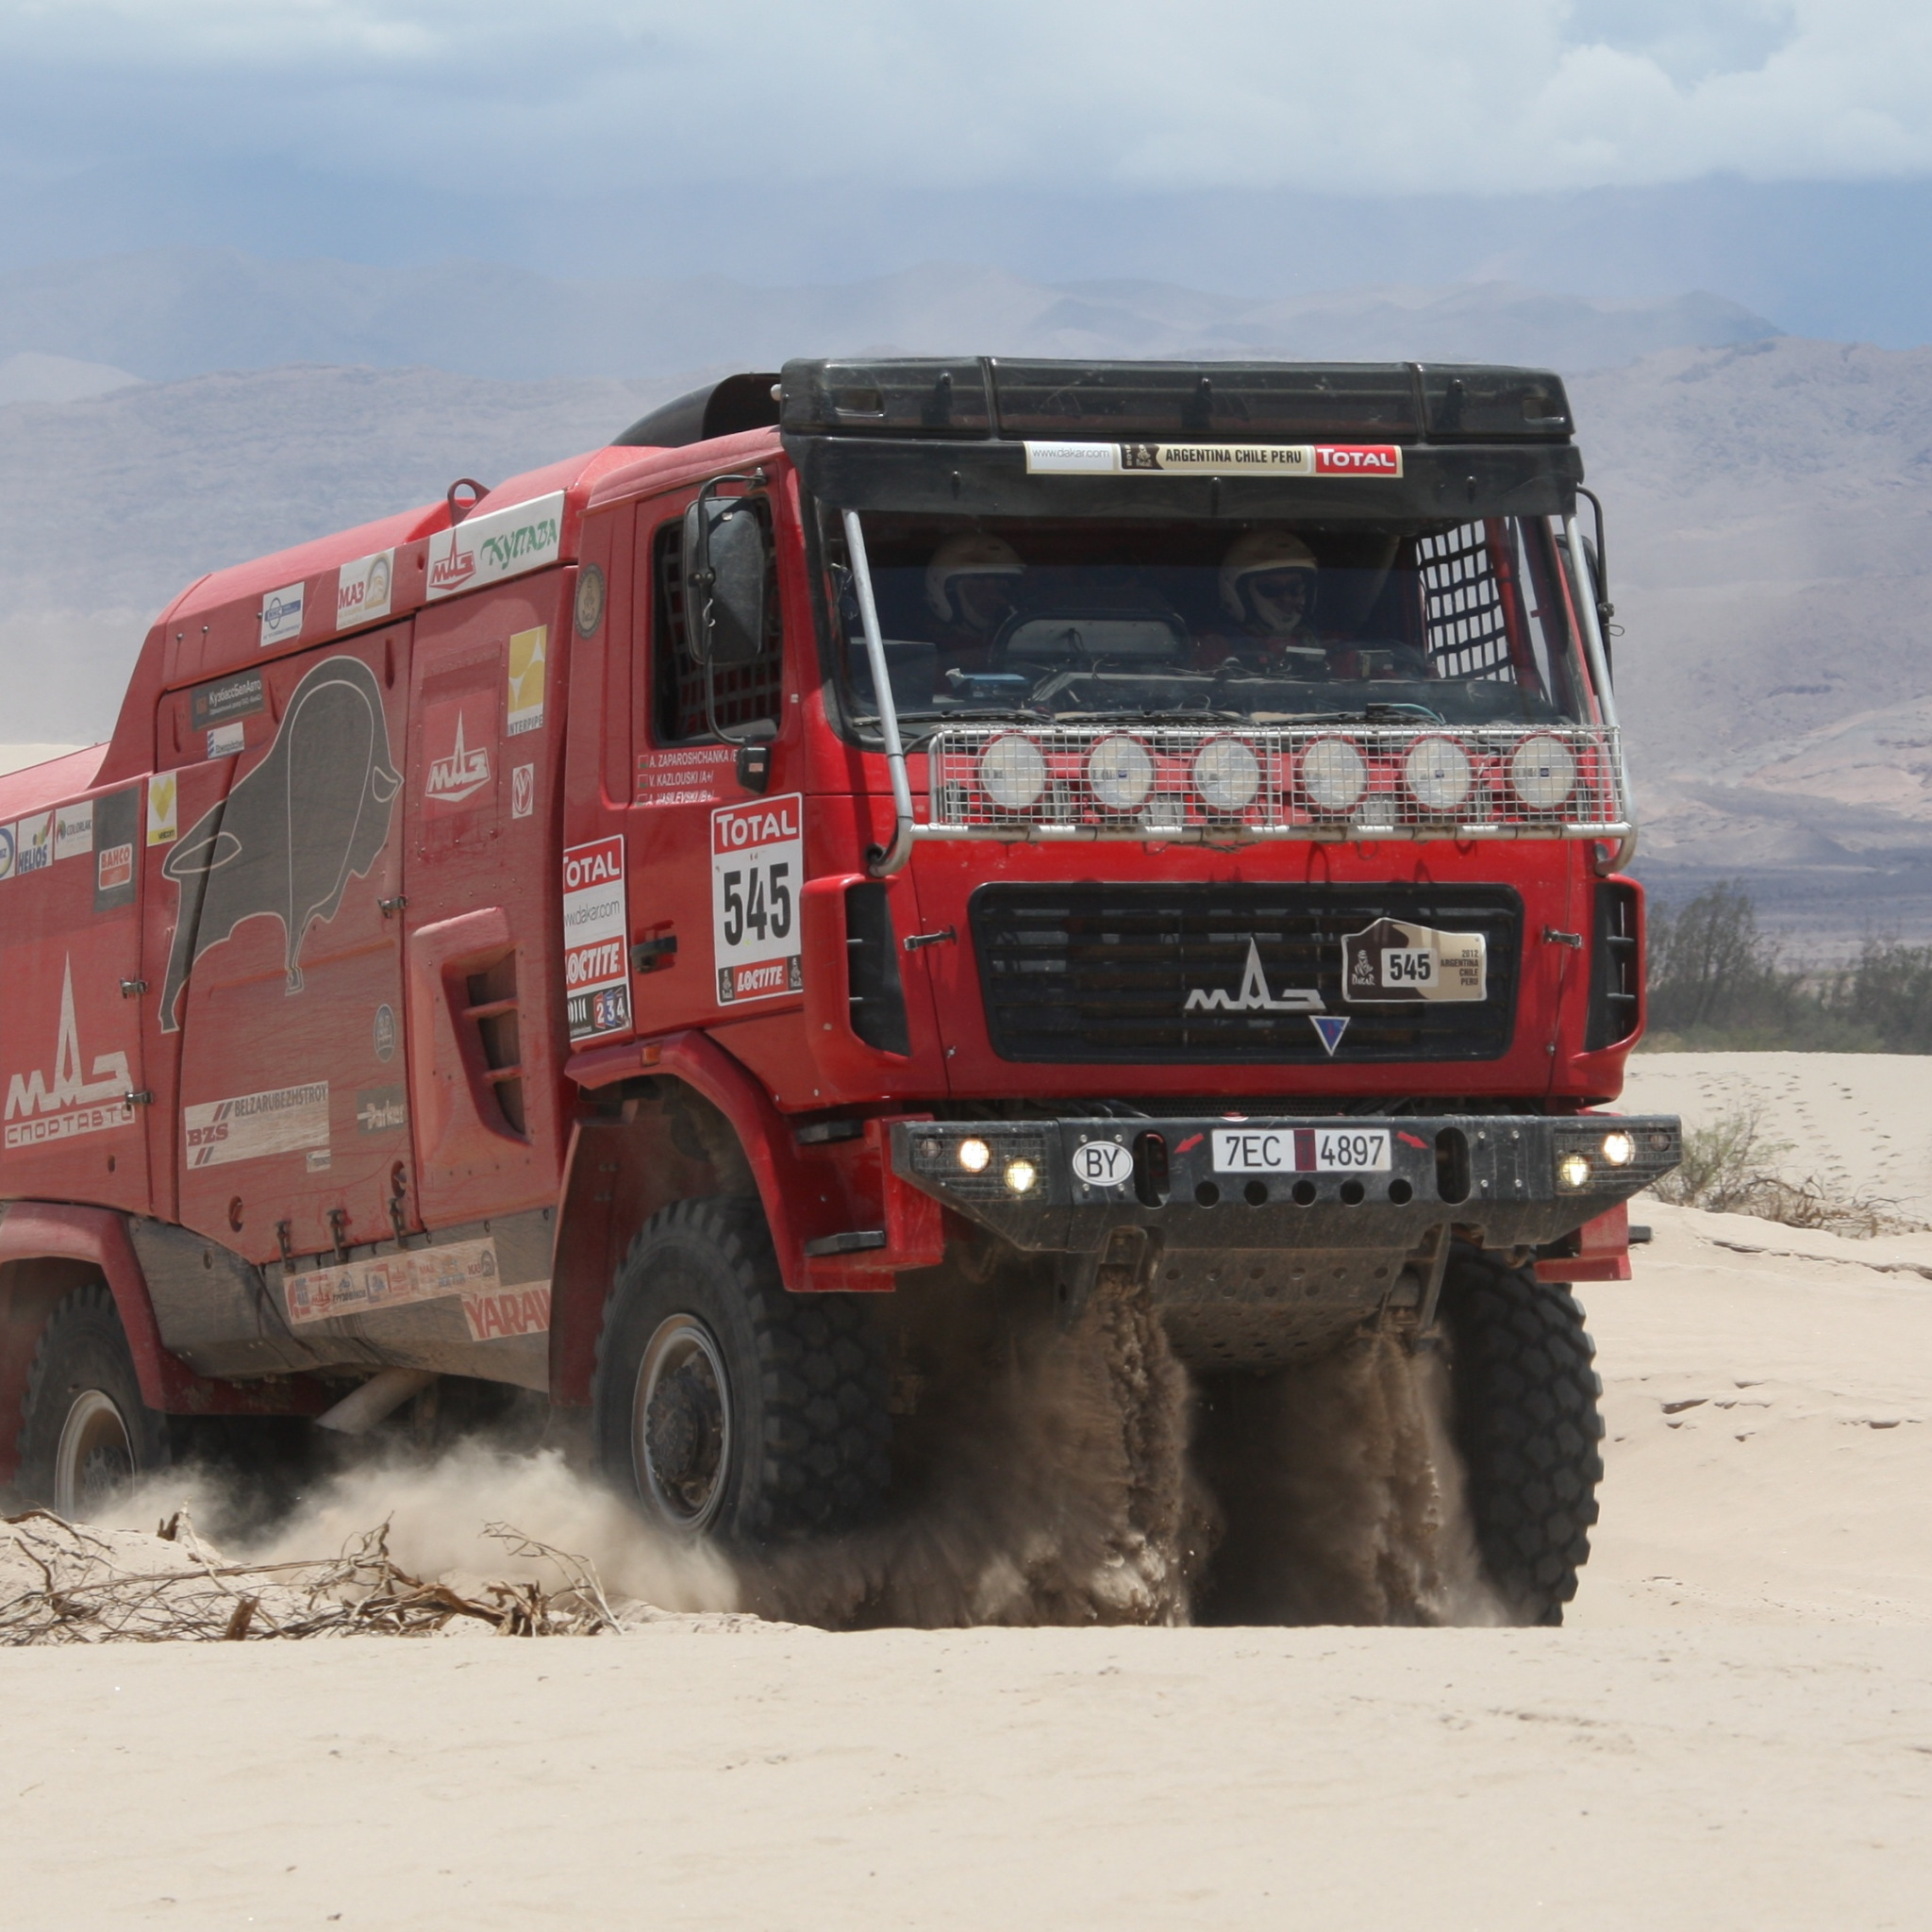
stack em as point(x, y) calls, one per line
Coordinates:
point(745, 692)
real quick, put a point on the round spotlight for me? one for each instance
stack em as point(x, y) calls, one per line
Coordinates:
point(1334, 775)
point(974, 1155)
point(1012, 771)
point(1121, 773)
point(1619, 1150)
point(1438, 773)
point(1542, 772)
point(1574, 1170)
point(1021, 1174)
point(1228, 774)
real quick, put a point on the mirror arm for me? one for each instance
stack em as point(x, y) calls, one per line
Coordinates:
point(881, 861)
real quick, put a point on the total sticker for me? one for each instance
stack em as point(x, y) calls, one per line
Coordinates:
point(1393, 963)
point(758, 864)
point(596, 985)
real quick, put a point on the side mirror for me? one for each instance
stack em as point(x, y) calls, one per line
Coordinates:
point(725, 581)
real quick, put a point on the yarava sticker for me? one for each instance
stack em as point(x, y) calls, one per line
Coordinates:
point(1393, 963)
point(596, 925)
point(494, 545)
point(758, 865)
point(1214, 459)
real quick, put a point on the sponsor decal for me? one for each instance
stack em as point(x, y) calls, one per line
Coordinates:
point(363, 588)
point(74, 830)
point(1301, 1150)
point(590, 599)
point(5, 852)
point(1393, 963)
point(523, 791)
point(39, 1109)
point(285, 1120)
point(758, 865)
point(163, 796)
point(494, 545)
point(1103, 1164)
point(281, 616)
point(526, 655)
point(509, 1311)
point(1213, 459)
point(421, 1275)
point(117, 822)
point(596, 928)
point(227, 740)
point(1329, 1027)
point(385, 1034)
point(460, 776)
point(33, 844)
point(240, 696)
point(1252, 995)
point(291, 833)
point(381, 1111)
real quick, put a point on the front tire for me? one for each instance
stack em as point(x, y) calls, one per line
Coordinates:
point(1528, 1424)
point(725, 1407)
point(85, 1433)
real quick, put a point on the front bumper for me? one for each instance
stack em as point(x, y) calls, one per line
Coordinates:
point(1515, 1177)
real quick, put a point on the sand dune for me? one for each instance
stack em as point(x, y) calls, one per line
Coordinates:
point(1734, 1731)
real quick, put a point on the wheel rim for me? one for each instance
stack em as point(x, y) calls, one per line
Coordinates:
point(96, 1458)
point(681, 1423)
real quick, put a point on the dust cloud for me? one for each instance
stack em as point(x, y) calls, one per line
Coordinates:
point(1059, 1476)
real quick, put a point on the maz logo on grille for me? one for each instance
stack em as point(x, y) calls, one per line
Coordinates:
point(1253, 996)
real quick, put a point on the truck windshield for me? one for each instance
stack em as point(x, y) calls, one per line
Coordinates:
point(1085, 618)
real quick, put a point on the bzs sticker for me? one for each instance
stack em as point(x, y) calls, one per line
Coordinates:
point(595, 928)
point(758, 865)
point(1390, 963)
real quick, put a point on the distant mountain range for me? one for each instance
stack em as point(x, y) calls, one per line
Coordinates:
point(175, 313)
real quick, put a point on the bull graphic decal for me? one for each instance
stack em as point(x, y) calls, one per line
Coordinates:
point(289, 836)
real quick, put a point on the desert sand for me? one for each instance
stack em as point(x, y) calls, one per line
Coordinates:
point(1733, 1730)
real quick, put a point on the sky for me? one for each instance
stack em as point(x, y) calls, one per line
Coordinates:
point(1776, 151)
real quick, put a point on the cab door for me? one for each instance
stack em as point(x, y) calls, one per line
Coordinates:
point(717, 867)
point(284, 970)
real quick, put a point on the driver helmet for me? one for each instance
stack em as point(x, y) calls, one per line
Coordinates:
point(973, 556)
point(1261, 553)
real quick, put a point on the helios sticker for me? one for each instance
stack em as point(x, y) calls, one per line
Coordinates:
point(1392, 963)
point(758, 865)
point(596, 925)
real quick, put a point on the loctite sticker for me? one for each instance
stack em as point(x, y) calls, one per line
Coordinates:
point(758, 865)
point(596, 924)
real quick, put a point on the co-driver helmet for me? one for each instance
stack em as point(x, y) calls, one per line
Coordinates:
point(966, 556)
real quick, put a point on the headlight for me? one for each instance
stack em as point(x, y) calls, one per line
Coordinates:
point(1012, 771)
point(1438, 773)
point(1620, 1150)
point(1121, 773)
point(1574, 1170)
point(1333, 774)
point(1021, 1174)
point(973, 1154)
point(1542, 772)
point(1227, 775)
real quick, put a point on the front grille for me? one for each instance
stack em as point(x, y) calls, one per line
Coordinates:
point(1104, 973)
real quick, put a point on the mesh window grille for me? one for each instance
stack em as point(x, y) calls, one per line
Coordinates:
point(1463, 604)
point(745, 692)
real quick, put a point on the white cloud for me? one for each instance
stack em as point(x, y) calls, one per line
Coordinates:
point(1378, 96)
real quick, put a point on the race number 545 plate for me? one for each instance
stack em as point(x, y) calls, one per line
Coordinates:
point(758, 865)
point(1301, 1150)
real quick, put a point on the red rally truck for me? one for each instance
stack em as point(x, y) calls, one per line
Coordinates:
point(871, 840)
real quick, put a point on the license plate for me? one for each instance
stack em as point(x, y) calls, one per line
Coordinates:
point(1301, 1150)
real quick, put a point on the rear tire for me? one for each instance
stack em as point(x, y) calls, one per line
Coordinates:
point(85, 1433)
point(728, 1408)
point(1528, 1424)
